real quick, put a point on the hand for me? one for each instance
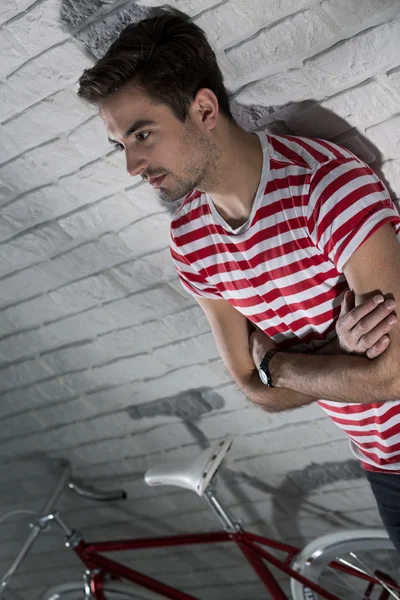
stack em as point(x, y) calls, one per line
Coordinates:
point(259, 344)
point(362, 329)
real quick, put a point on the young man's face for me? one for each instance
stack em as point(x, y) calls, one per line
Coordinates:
point(172, 156)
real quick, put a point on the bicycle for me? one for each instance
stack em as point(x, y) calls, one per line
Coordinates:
point(335, 560)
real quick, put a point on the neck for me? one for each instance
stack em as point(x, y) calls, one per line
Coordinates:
point(238, 175)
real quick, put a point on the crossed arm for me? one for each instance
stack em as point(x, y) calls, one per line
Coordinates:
point(373, 268)
point(329, 373)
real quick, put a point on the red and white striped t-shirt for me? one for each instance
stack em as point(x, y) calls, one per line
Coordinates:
point(316, 203)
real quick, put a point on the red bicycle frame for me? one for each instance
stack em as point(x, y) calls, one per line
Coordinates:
point(250, 544)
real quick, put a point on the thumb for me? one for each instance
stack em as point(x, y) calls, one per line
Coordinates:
point(347, 302)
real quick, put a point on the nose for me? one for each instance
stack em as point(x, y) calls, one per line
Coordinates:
point(135, 165)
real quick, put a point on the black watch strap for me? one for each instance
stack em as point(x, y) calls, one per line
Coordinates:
point(263, 369)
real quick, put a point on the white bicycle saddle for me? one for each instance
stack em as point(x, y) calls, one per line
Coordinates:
point(194, 474)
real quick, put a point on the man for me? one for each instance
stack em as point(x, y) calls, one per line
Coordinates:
point(272, 232)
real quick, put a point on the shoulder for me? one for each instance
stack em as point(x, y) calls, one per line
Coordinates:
point(310, 153)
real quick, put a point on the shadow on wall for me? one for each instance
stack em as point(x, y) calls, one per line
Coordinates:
point(288, 499)
point(97, 23)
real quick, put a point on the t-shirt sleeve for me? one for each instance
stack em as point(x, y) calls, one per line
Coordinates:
point(192, 281)
point(347, 204)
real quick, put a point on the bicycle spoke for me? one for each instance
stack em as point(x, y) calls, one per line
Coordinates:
point(349, 587)
point(383, 584)
point(343, 577)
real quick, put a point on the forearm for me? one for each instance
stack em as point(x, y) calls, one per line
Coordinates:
point(280, 399)
point(339, 377)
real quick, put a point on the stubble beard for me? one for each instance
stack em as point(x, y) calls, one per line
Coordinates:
point(202, 169)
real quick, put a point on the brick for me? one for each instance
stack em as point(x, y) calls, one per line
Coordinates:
point(114, 424)
point(280, 88)
point(19, 400)
point(92, 257)
point(394, 79)
point(352, 13)
point(12, 53)
point(23, 174)
point(176, 381)
point(83, 326)
point(160, 301)
point(33, 247)
point(74, 358)
point(97, 180)
point(235, 20)
point(355, 107)
point(53, 390)
point(166, 439)
point(104, 451)
point(65, 412)
point(156, 332)
point(6, 192)
point(18, 346)
point(146, 271)
point(110, 214)
point(51, 71)
point(7, 229)
point(61, 112)
point(32, 313)
point(391, 173)
point(90, 139)
point(297, 35)
point(87, 293)
point(356, 58)
point(68, 436)
point(81, 381)
point(29, 282)
point(152, 233)
point(10, 101)
point(9, 10)
point(58, 157)
point(39, 28)
point(124, 342)
point(20, 425)
point(21, 374)
point(114, 398)
point(188, 6)
point(39, 205)
point(188, 352)
point(144, 197)
point(386, 137)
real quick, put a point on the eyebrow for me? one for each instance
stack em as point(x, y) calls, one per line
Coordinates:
point(137, 125)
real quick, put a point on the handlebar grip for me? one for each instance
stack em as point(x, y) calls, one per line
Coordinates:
point(97, 495)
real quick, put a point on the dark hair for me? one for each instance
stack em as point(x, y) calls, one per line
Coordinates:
point(166, 56)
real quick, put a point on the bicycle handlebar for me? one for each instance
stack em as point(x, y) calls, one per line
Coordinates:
point(93, 494)
point(37, 527)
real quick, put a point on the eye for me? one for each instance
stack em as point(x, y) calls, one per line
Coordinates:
point(142, 133)
point(118, 147)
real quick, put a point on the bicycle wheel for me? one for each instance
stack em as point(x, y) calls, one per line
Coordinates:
point(367, 549)
point(74, 590)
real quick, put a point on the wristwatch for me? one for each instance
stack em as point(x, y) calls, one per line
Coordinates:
point(263, 370)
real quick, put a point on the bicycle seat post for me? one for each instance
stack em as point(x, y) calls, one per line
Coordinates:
point(221, 513)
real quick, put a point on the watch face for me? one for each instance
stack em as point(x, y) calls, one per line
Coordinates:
point(263, 376)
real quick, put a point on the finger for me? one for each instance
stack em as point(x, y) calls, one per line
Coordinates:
point(364, 309)
point(372, 337)
point(378, 348)
point(350, 300)
point(346, 304)
point(375, 324)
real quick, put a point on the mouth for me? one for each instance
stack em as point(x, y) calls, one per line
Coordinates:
point(156, 181)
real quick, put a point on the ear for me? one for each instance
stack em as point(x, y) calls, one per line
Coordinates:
point(205, 108)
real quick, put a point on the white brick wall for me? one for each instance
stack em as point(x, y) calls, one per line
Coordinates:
point(93, 321)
